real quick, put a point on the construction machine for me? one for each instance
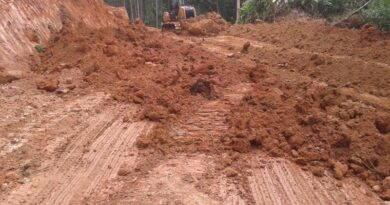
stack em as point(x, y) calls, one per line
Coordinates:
point(172, 19)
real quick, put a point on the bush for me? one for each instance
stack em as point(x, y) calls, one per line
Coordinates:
point(269, 9)
point(265, 10)
point(322, 8)
point(379, 14)
point(39, 48)
point(248, 11)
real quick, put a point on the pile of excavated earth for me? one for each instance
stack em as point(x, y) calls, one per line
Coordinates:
point(300, 90)
point(210, 24)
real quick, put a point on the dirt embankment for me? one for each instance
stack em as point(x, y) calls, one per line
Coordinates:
point(340, 57)
point(317, 127)
point(210, 24)
point(316, 36)
point(26, 23)
point(136, 65)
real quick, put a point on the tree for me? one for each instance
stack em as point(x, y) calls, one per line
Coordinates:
point(238, 8)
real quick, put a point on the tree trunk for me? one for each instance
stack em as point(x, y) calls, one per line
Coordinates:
point(238, 11)
point(138, 13)
point(217, 4)
point(156, 13)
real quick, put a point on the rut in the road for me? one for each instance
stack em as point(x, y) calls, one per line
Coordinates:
point(96, 156)
point(281, 182)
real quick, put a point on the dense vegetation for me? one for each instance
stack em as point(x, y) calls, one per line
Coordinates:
point(377, 11)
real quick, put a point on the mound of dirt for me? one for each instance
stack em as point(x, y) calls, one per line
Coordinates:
point(210, 24)
point(26, 23)
point(134, 65)
point(318, 128)
point(315, 35)
point(357, 59)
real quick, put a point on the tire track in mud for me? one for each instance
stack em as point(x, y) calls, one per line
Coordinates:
point(50, 119)
point(95, 156)
point(209, 119)
point(171, 182)
point(174, 181)
point(281, 182)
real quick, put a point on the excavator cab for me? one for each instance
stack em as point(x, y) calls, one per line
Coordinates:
point(171, 19)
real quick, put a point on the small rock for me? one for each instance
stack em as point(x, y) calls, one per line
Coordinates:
point(4, 186)
point(294, 153)
point(7, 76)
point(227, 161)
point(386, 183)
point(245, 47)
point(230, 172)
point(49, 85)
point(317, 60)
point(340, 170)
point(150, 64)
point(188, 178)
point(63, 91)
point(376, 188)
point(126, 119)
point(301, 161)
point(386, 195)
point(231, 55)
point(24, 180)
point(296, 140)
point(111, 50)
point(71, 87)
point(318, 171)
point(203, 87)
point(357, 168)
point(68, 81)
point(123, 172)
point(383, 124)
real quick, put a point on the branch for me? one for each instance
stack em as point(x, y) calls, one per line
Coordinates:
point(352, 13)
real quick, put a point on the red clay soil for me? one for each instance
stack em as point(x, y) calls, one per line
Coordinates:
point(316, 36)
point(316, 126)
point(26, 23)
point(136, 65)
point(210, 24)
point(356, 59)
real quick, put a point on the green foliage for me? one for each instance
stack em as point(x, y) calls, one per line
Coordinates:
point(39, 48)
point(379, 14)
point(269, 9)
point(248, 11)
point(262, 9)
point(322, 8)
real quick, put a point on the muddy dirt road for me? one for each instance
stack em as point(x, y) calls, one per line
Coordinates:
point(89, 161)
point(128, 115)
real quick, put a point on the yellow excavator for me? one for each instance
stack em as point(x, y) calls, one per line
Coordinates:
point(179, 12)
